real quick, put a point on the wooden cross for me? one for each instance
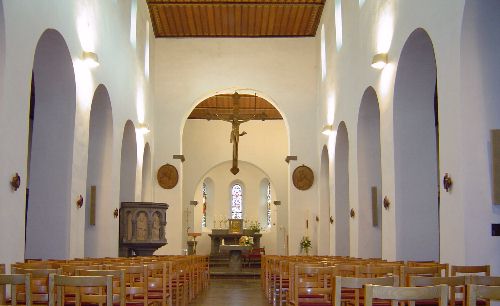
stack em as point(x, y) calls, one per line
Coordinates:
point(235, 118)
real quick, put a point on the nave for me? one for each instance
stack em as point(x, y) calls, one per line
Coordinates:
point(234, 292)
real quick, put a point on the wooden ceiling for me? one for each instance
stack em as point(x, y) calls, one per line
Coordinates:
point(249, 106)
point(235, 18)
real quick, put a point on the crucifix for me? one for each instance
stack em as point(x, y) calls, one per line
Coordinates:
point(235, 118)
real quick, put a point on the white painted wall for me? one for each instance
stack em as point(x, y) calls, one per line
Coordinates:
point(120, 70)
point(281, 70)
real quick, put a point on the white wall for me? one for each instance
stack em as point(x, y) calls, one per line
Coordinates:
point(120, 70)
point(281, 70)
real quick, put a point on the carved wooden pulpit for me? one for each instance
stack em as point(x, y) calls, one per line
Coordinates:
point(142, 228)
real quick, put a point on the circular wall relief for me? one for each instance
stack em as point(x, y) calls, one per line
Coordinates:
point(303, 177)
point(167, 176)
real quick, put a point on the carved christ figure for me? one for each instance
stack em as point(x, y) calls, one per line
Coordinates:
point(236, 119)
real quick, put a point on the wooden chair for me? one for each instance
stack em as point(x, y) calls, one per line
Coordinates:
point(357, 283)
point(406, 272)
point(136, 283)
point(470, 270)
point(313, 285)
point(396, 294)
point(159, 282)
point(453, 283)
point(15, 281)
point(89, 289)
point(476, 292)
point(39, 287)
point(118, 282)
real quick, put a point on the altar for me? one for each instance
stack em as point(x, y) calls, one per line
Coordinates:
point(218, 235)
point(235, 252)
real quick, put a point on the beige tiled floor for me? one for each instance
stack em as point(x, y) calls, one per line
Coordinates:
point(232, 292)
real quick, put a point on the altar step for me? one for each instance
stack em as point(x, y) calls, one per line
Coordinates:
point(223, 272)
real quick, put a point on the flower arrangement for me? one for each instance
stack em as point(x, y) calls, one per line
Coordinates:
point(255, 226)
point(245, 240)
point(305, 244)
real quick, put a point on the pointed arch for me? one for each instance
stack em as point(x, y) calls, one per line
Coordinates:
point(342, 206)
point(128, 164)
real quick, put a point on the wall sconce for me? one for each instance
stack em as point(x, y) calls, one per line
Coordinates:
point(143, 129)
point(447, 182)
point(277, 203)
point(194, 203)
point(387, 203)
point(91, 59)
point(327, 129)
point(79, 202)
point(15, 182)
point(379, 60)
point(331, 220)
point(115, 213)
point(352, 213)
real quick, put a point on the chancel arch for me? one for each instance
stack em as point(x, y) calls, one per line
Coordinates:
point(50, 145)
point(324, 204)
point(128, 163)
point(416, 147)
point(98, 230)
point(147, 179)
point(369, 177)
point(342, 206)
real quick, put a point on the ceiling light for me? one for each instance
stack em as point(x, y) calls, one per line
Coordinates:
point(379, 60)
point(327, 129)
point(91, 59)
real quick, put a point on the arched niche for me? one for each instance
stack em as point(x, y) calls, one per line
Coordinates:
point(480, 72)
point(99, 230)
point(128, 163)
point(369, 177)
point(50, 143)
point(342, 207)
point(265, 204)
point(147, 179)
point(415, 151)
point(324, 204)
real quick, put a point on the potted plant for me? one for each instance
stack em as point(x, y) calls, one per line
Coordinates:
point(305, 244)
point(255, 226)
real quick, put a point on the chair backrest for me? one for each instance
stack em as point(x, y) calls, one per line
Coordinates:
point(396, 294)
point(475, 292)
point(484, 280)
point(15, 280)
point(136, 278)
point(118, 281)
point(470, 270)
point(406, 272)
point(90, 289)
point(358, 283)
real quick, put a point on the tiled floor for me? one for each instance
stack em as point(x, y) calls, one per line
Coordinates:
point(232, 292)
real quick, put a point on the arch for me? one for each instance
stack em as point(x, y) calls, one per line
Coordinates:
point(128, 163)
point(480, 108)
point(147, 180)
point(324, 204)
point(415, 151)
point(50, 143)
point(342, 232)
point(100, 231)
point(369, 177)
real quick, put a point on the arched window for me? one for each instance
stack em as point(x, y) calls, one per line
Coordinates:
point(204, 200)
point(236, 202)
point(268, 202)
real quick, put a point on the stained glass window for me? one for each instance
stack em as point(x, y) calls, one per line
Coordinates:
point(204, 196)
point(236, 201)
point(268, 202)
